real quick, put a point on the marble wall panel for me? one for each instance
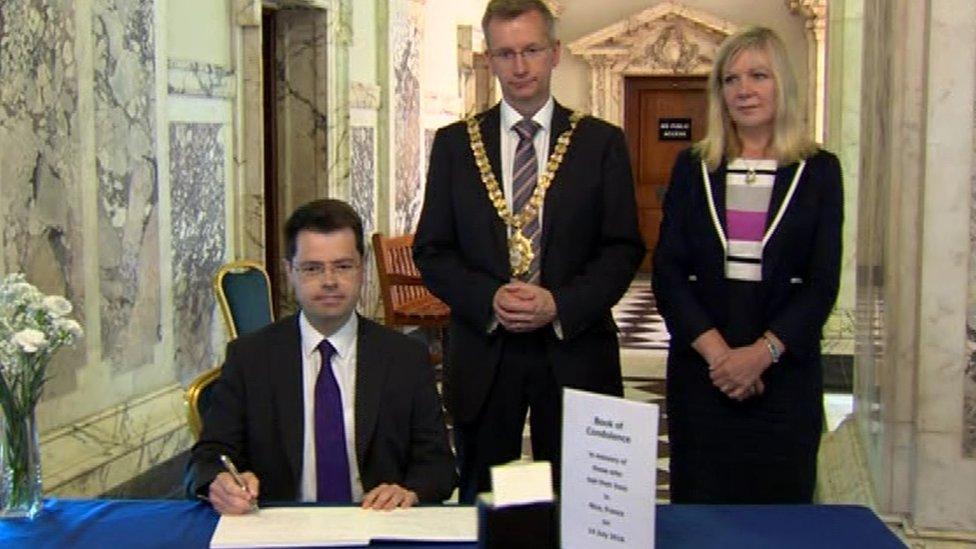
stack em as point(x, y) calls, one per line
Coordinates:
point(96, 453)
point(249, 155)
point(407, 22)
point(969, 383)
point(194, 78)
point(197, 180)
point(363, 199)
point(126, 165)
point(40, 202)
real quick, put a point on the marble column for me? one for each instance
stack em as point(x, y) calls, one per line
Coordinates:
point(406, 28)
point(843, 138)
point(363, 200)
point(914, 254)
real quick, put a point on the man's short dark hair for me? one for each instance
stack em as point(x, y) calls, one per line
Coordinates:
point(325, 215)
point(506, 10)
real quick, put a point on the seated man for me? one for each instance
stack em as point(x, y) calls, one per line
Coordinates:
point(366, 427)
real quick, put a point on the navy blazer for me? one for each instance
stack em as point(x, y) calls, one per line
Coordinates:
point(256, 416)
point(800, 263)
point(591, 247)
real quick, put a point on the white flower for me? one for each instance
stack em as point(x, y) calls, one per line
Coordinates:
point(20, 291)
point(57, 305)
point(30, 340)
point(70, 326)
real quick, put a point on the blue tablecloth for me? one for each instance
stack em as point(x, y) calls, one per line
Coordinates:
point(80, 524)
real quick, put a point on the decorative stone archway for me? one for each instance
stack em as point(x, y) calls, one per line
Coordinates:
point(667, 39)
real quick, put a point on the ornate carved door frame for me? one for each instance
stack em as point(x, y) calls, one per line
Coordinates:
point(667, 39)
point(673, 39)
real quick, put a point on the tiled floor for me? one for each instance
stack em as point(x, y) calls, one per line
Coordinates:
point(644, 343)
point(641, 327)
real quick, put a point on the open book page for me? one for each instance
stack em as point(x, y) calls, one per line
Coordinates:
point(343, 526)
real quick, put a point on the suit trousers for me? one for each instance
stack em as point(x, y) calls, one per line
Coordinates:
point(523, 381)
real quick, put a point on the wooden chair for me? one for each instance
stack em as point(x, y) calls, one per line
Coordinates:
point(406, 301)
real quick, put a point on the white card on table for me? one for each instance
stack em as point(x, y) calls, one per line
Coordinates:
point(519, 483)
point(609, 471)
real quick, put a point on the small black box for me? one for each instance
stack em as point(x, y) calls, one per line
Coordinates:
point(532, 526)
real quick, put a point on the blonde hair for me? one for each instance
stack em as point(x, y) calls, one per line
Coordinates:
point(789, 144)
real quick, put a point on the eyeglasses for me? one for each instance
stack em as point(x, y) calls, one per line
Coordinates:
point(530, 53)
point(338, 269)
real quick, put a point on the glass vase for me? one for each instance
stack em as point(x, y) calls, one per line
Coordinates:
point(20, 466)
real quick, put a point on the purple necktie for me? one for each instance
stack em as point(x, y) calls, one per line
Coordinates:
point(525, 175)
point(331, 463)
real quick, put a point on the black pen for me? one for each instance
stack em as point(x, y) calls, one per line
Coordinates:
point(236, 475)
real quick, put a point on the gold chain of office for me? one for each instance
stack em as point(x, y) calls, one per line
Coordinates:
point(520, 252)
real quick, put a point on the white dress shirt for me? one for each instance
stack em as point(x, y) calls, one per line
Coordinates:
point(344, 368)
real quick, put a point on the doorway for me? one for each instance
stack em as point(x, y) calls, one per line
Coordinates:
point(662, 116)
point(296, 125)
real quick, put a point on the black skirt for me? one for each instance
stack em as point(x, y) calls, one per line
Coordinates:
point(761, 450)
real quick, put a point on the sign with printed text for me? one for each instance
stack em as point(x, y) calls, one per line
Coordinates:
point(609, 471)
point(674, 129)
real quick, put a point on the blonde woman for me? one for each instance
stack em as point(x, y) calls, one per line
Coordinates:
point(745, 273)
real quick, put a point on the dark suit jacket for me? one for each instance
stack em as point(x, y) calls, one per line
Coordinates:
point(591, 248)
point(256, 415)
point(801, 260)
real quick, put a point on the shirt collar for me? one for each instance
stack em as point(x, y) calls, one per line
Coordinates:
point(342, 340)
point(543, 116)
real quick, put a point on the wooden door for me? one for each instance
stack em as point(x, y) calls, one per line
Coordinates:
point(662, 116)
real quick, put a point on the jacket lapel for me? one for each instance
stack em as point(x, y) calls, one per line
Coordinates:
point(491, 136)
point(560, 123)
point(716, 179)
point(286, 378)
point(781, 184)
point(371, 370)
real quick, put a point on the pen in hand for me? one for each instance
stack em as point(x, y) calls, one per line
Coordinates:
point(236, 475)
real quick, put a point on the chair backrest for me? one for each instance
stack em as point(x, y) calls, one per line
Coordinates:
point(406, 301)
point(198, 397)
point(244, 293)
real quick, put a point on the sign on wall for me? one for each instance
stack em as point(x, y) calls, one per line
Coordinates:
point(674, 129)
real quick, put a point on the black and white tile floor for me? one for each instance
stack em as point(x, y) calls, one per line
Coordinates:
point(636, 315)
point(643, 346)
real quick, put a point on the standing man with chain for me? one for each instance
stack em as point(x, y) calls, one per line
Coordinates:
point(529, 232)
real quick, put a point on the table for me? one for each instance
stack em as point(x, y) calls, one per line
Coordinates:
point(189, 524)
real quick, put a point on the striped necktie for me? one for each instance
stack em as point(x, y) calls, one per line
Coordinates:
point(525, 175)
